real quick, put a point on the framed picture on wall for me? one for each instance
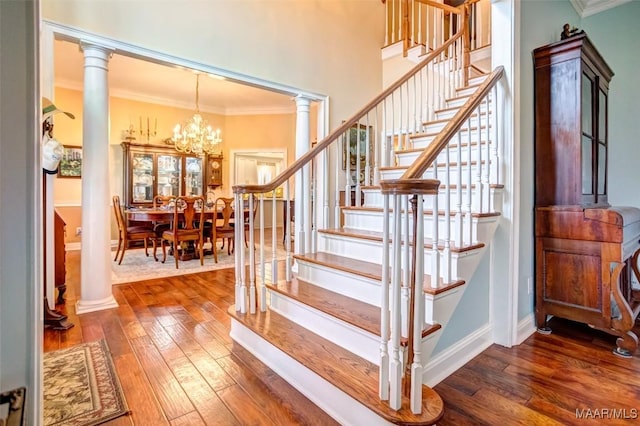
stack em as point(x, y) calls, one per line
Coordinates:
point(71, 163)
point(355, 144)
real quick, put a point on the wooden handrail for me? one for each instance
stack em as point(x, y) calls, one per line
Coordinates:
point(333, 136)
point(430, 153)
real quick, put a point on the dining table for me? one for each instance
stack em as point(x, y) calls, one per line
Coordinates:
point(165, 215)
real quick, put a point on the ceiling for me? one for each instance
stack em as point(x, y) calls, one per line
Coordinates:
point(150, 82)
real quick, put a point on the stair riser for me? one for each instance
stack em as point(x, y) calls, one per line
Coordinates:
point(336, 403)
point(356, 340)
point(373, 221)
point(421, 142)
point(396, 173)
point(449, 113)
point(350, 285)
point(375, 199)
point(407, 158)
point(462, 264)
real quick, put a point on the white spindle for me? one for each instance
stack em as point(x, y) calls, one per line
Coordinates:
point(238, 264)
point(468, 174)
point(459, 225)
point(446, 253)
point(395, 365)
point(406, 239)
point(418, 319)
point(478, 176)
point(495, 139)
point(274, 241)
point(252, 253)
point(287, 241)
point(384, 306)
point(263, 273)
point(435, 255)
point(487, 166)
point(238, 230)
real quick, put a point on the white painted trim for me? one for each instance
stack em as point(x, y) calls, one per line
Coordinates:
point(138, 97)
point(68, 204)
point(391, 51)
point(591, 7)
point(526, 327)
point(86, 306)
point(447, 362)
point(75, 246)
point(342, 407)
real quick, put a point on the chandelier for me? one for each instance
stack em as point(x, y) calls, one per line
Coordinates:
point(196, 136)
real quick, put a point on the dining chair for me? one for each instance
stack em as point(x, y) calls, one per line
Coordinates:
point(223, 227)
point(162, 201)
point(187, 227)
point(127, 234)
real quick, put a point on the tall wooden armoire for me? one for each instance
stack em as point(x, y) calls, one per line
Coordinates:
point(585, 248)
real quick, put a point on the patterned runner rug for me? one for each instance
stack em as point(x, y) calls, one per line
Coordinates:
point(81, 386)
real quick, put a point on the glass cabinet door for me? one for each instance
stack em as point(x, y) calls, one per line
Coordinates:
point(142, 177)
point(169, 175)
point(193, 176)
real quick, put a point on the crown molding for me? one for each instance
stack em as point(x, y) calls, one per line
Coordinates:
point(591, 7)
point(140, 97)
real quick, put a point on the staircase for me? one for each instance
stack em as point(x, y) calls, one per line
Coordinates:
point(352, 335)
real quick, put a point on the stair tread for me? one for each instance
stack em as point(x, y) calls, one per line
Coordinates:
point(355, 312)
point(350, 373)
point(377, 236)
point(364, 269)
point(451, 164)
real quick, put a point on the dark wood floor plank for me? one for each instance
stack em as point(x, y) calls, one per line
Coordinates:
point(244, 408)
point(209, 406)
point(140, 396)
point(171, 396)
point(280, 411)
point(191, 419)
point(206, 365)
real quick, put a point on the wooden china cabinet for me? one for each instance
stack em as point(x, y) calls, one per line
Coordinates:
point(586, 249)
point(151, 170)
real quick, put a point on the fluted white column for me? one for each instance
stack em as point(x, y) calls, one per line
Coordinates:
point(303, 184)
point(95, 285)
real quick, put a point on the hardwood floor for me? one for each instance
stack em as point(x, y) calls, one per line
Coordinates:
point(178, 366)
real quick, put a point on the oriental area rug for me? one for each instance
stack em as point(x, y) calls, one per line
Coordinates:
point(137, 267)
point(81, 387)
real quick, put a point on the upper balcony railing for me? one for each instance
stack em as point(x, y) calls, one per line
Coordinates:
point(429, 23)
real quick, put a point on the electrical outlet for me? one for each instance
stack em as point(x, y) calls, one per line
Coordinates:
point(530, 285)
point(78, 230)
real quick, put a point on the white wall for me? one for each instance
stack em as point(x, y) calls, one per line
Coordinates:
point(330, 47)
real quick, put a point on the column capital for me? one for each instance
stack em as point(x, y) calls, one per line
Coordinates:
point(302, 102)
point(86, 46)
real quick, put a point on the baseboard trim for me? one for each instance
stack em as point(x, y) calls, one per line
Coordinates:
point(449, 361)
point(526, 327)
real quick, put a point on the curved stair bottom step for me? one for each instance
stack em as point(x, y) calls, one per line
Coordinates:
point(340, 383)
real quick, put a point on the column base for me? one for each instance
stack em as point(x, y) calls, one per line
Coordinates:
point(86, 306)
